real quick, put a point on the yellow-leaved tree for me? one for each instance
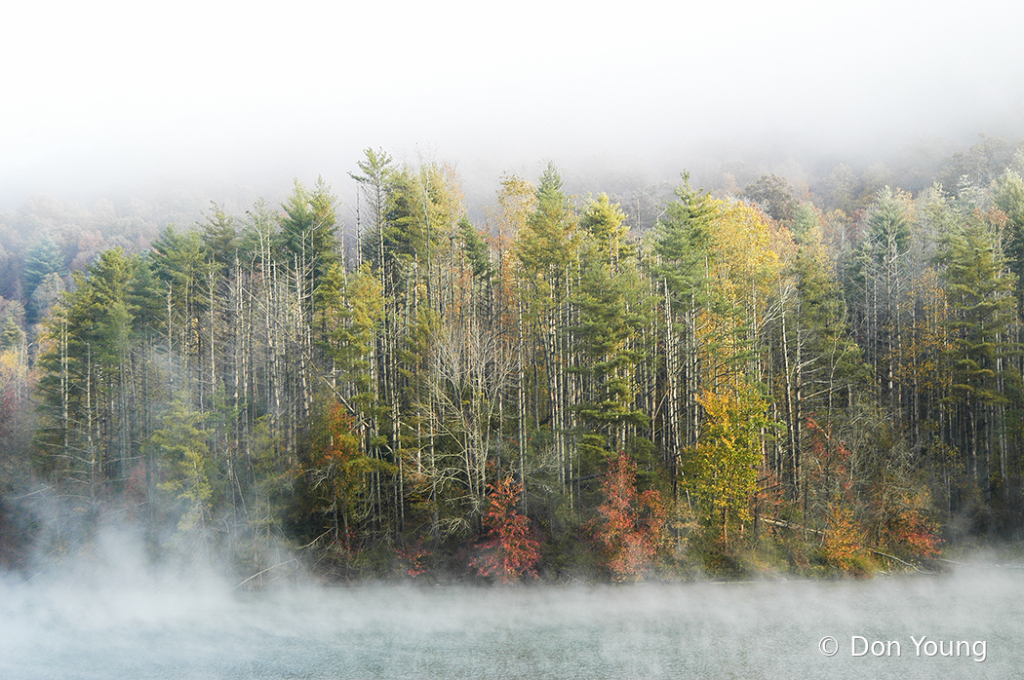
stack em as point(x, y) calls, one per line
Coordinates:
point(721, 470)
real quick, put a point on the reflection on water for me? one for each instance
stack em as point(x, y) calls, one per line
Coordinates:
point(900, 627)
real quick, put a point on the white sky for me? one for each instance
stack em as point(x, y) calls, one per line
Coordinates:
point(107, 93)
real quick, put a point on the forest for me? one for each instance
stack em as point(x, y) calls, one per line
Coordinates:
point(815, 377)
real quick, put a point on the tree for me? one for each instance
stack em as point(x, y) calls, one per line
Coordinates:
point(335, 474)
point(816, 359)
point(475, 249)
point(980, 293)
point(188, 469)
point(375, 185)
point(879, 275)
point(511, 549)
point(806, 225)
point(684, 242)
point(631, 526)
point(721, 470)
point(307, 234)
point(221, 237)
point(45, 296)
point(547, 246)
point(43, 260)
point(611, 312)
point(1009, 197)
point(87, 342)
point(773, 195)
point(605, 223)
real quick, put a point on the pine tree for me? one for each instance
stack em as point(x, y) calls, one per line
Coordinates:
point(547, 246)
point(605, 223)
point(44, 259)
point(879, 278)
point(308, 240)
point(611, 311)
point(980, 292)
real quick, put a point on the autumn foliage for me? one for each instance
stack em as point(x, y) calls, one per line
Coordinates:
point(721, 471)
point(843, 541)
point(511, 550)
point(631, 528)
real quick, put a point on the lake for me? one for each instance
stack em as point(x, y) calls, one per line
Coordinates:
point(966, 624)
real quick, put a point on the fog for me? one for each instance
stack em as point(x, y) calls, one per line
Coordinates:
point(228, 101)
point(119, 618)
point(221, 96)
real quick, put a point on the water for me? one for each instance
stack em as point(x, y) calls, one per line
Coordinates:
point(141, 629)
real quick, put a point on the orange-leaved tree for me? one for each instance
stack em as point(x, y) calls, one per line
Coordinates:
point(633, 525)
point(336, 472)
point(511, 549)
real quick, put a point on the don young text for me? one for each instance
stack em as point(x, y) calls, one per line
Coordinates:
point(922, 646)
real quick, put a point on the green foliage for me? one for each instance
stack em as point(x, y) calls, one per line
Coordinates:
point(684, 240)
point(221, 237)
point(243, 373)
point(351, 306)
point(181, 265)
point(475, 249)
point(189, 470)
point(833, 361)
point(806, 225)
point(334, 477)
point(774, 196)
point(307, 235)
point(979, 290)
point(376, 184)
point(43, 259)
point(547, 246)
point(612, 314)
point(886, 243)
point(11, 335)
point(416, 221)
point(1009, 198)
point(604, 221)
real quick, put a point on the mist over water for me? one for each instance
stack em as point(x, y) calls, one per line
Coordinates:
point(216, 99)
point(119, 619)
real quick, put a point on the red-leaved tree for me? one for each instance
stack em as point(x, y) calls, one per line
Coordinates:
point(632, 528)
point(511, 549)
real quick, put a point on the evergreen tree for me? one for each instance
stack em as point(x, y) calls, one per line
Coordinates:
point(605, 223)
point(221, 237)
point(879, 284)
point(86, 415)
point(43, 260)
point(547, 246)
point(375, 185)
point(188, 469)
point(612, 310)
point(307, 237)
point(683, 241)
point(1009, 197)
point(475, 249)
point(980, 292)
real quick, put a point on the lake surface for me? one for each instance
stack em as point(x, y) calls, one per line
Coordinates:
point(890, 627)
